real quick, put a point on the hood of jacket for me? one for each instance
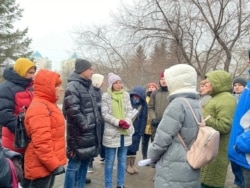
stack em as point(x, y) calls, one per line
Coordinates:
point(12, 76)
point(140, 91)
point(220, 80)
point(181, 78)
point(45, 85)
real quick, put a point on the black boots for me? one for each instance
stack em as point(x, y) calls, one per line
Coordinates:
point(87, 181)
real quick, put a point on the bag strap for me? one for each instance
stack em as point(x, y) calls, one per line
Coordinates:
point(196, 120)
point(13, 174)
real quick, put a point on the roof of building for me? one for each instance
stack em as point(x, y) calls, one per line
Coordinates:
point(36, 54)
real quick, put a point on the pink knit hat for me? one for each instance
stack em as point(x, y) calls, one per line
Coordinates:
point(152, 84)
point(112, 78)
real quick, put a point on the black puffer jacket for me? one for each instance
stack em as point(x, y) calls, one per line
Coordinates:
point(16, 94)
point(81, 112)
point(11, 103)
point(5, 174)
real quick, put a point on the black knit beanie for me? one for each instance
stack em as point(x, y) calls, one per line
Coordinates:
point(81, 65)
point(240, 80)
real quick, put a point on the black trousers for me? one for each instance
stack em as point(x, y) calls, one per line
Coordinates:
point(144, 145)
point(45, 182)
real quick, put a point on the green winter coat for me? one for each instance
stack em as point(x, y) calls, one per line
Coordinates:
point(221, 109)
point(156, 106)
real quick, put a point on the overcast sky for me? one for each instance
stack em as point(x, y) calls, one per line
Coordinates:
point(50, 23)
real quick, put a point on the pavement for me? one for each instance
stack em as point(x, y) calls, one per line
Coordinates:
point(142, 180)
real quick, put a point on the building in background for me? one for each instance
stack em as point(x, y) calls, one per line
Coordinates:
point(67, 67)
point(41, 62)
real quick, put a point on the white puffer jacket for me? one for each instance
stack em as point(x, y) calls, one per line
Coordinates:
point(112, 136)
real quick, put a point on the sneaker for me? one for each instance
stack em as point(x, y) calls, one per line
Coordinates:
point(90, 169)
point(102, 160)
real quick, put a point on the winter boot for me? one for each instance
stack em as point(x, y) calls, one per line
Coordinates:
point(129, 168)
point(133, 165)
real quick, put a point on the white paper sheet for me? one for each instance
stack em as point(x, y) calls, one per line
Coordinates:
point(144, 162)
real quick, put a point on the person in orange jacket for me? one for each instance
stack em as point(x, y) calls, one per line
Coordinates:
point(45, 155)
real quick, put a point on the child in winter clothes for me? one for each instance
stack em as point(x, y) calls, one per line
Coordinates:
point(139, 104)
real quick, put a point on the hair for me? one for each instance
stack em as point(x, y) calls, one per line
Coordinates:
point(203, 82)
point(58, 81)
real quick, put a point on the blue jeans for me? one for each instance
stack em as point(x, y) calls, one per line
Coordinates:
point(238, 174)
point(121, 163)
point(76, 173)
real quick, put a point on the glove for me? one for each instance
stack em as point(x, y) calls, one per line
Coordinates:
point(155, 122)
point(123, 124)
point(58, 170)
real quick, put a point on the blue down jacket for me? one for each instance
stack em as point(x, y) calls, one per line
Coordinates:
point(141, 119)
point(239, 142)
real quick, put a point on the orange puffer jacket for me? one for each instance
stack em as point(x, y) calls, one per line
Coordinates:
point(45, 125)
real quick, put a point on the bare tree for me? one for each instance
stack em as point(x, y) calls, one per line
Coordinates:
point(204, 34)
point(138, 63)
point(105, 46)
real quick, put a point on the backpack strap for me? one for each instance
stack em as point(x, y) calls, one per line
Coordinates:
point(196, 120)
point(182, 142)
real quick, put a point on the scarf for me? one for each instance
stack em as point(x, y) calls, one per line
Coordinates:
point(118, 107)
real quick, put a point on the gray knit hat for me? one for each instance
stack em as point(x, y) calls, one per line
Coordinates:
point(240, 80)
point(81, 65)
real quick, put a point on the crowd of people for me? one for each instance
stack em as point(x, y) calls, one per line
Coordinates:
point(114, 122)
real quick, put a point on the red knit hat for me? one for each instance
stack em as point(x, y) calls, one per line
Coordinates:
point(162, 74)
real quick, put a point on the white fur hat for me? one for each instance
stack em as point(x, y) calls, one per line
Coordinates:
point(97, 80)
